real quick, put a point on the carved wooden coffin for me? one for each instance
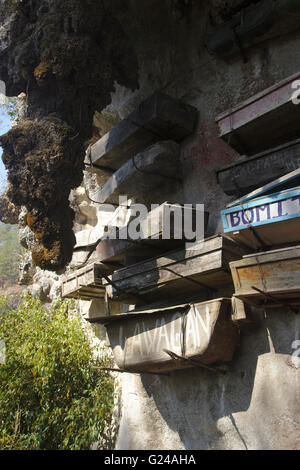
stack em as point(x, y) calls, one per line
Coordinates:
point(85, 283)
point(178, 273)
point(265, 221)
point(201, 333)
point(269, 279)
point(252, 25)
point(266, 120)
point(165, 227)
point(246, 174)
point(160, 117)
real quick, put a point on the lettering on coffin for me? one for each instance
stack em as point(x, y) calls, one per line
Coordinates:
point(167, 334)
point(275, 210)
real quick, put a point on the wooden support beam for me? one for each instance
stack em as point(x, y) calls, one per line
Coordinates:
point(160, 117)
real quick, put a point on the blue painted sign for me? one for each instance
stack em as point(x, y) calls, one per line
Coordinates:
point(277, 207)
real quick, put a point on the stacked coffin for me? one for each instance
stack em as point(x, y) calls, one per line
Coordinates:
point(267, 219)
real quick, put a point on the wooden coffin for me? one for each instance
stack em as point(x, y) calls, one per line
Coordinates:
point(202, 333)
point(163, 229)
point(265, 221)
point(268, 279)
point(267, 119)
point(246, 174)
point(85, 283)
point(178, 273)
point(160, 117)
point(158, 165)
point(253, 25)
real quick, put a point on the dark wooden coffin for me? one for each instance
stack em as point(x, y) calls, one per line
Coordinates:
point(270, 279)
point(200, 334)
point(158, 118)
point(253, 25)
point(266, 120)
point(177, 273)
point(246, 174)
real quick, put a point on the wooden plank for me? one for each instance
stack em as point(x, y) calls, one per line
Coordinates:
point(239, 311)
point(156, 166)
point(160, 117)
point(247, 174)
point(267, 120)
point(276, 273)
point(84, 283)
point(252, 26)
point(265, 221)
point(202, 332)
point(187, 270)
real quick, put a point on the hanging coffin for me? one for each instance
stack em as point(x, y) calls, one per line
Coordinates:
point(262, 219)
point(270, 279)
point(265, 120)
point(165, 227)
point(247, 173)
point(177, 273)
point(173, 338)
point(85, 283)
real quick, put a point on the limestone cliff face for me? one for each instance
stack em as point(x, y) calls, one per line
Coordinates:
point(66, 56)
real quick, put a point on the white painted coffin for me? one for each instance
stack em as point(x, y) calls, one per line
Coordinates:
point(201, 332)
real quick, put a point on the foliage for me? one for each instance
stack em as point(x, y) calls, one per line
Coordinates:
point(51, 395)
point(9, 108)
point(10, 254)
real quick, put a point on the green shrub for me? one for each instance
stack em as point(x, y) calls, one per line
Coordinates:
point(51, 395)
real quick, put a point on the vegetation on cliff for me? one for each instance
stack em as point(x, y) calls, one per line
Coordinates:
point(51, 395)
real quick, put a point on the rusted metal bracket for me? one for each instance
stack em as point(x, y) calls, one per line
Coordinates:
point(125, 371)
point(211, 289)
point(175, 357)
point(281, 303)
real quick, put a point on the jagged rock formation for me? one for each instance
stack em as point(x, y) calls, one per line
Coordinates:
point(66, 56)
point(9, 213)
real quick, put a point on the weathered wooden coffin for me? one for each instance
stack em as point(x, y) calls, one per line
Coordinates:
point(265, 221)
point(246, 174)
point(85, 283)
point(160, 117)
point(253, 25)
point(177, 273)
point(266, 120)
point(203, 333)
point(156, 166)
point(163, 229)
point(269, 279)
